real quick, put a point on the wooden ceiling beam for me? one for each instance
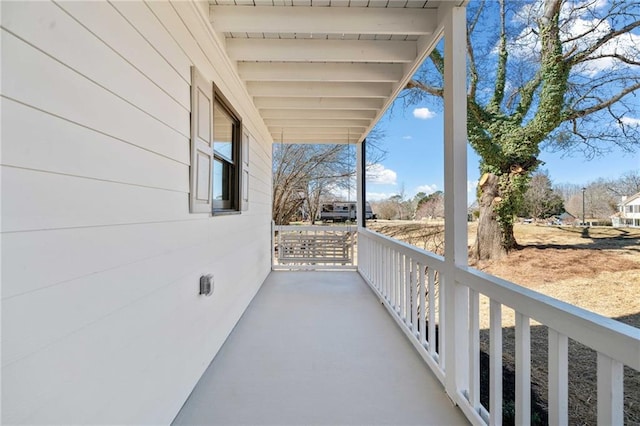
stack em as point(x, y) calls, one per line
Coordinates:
point(324, 20)
point(322, 90)
point(371, 104)
point(339, 72)
point(295, 50)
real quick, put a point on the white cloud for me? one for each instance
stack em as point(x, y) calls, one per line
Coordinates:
point(427, 189)
point(378, 196)
point(345, 194)
point(580, 26)
point(472, 185)
point(407, 138)
point(630, 121)
point(379, 174)
point(423, 113)
point(625, 44)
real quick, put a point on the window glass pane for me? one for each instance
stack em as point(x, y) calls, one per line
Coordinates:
point(222, 133)
point(220, 180)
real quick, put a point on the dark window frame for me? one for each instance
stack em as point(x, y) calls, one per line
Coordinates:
point(231, 206)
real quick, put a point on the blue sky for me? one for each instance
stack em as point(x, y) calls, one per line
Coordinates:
point(415, 159)
point(414, 135)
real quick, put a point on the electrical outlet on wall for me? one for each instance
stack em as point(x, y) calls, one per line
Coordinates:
point(206, 285)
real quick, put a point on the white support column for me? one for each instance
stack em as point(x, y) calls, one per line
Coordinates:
point(360, 176)
point(455, 190)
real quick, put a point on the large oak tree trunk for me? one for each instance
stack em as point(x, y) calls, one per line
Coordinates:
point(493, 239)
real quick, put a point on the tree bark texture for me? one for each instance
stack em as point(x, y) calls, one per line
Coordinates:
point(493, 238)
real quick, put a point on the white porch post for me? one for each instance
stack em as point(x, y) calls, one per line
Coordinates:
point(455, 190)
point(360, 176)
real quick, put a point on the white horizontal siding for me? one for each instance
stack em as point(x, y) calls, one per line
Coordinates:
point(101, 321)
point(58, 34)
point(100, 374)
point(28, 76)
point(54, 141)
point(106, 23)
point(54, 202)
point(28, 333)
point(139, 15)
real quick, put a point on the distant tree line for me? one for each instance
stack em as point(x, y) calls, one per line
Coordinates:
point(601, 196)
point(542, 199)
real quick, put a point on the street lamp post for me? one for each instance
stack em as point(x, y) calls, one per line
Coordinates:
point(583, 191)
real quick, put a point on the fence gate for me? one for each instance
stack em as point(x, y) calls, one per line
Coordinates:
point(314, 247)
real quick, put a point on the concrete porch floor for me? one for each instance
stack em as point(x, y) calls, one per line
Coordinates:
point(318, 348)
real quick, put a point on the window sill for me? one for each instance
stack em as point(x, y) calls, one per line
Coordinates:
point(225, 212)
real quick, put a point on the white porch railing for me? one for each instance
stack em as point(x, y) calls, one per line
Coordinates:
point(409, 281)
point(313, 247)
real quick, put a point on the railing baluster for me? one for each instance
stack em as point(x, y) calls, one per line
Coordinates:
point(385, 273)
point(558, 378)
point(442, 326)
point(610, 391)
point(406, 270)
point(398, 281)
point(523, 370)
point(380, 263)
point(422, 297)
point(371, 254)
point(414, 297)
point(379, 266)
point(382, 282)
point(403, 297)
point(384, 276)
point(495, 363)
point(393, 279)
point(388, 276)
point(407, 290)
point(474, 349)
point(371, 250)
point(432, 311)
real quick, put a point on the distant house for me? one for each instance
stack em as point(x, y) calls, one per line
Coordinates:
point(566, 218)
point(628, 212)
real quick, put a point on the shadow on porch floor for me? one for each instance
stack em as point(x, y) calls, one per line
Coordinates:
point(318, 348)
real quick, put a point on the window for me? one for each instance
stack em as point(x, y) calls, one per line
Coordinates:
point(226, 147)
point(217, 166)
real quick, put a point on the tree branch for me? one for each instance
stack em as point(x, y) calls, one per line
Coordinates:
point(473, 71)
point(526, 98)
point(573, 114)
point(554, 73)
point(438, 60)
point(501, 70)
point(584, 54)
point(416, 84)
point(614, 55)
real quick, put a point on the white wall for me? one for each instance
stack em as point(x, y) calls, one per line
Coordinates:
point(101, 259)
point(636, 208)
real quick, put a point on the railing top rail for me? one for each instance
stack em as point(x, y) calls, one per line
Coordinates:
point(605, 335)
point(408, 249)
point(345, 228)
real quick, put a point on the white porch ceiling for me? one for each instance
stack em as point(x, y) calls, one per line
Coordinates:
point(326, 70)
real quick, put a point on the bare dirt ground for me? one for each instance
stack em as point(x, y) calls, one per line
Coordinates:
point(597, 269)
